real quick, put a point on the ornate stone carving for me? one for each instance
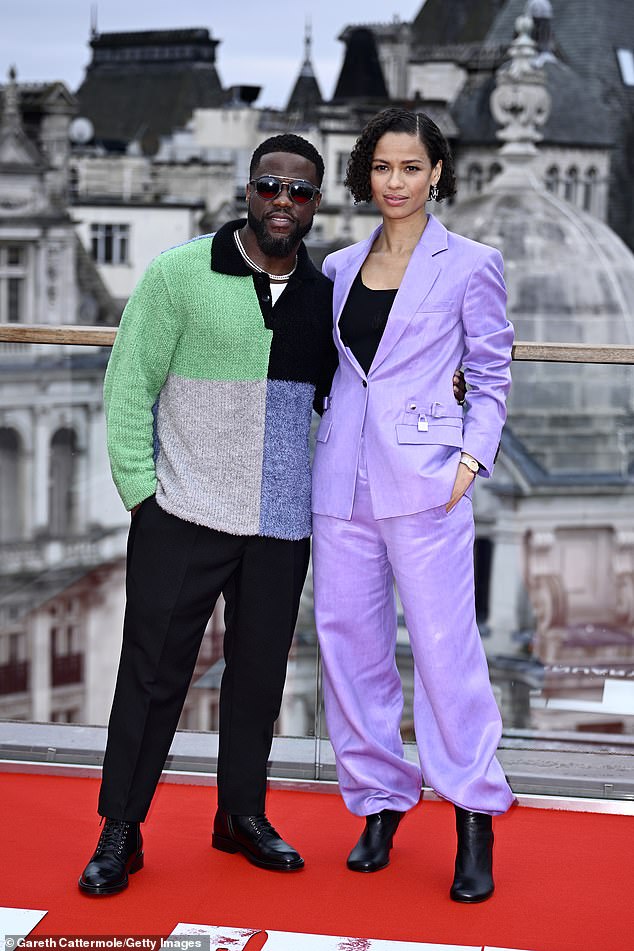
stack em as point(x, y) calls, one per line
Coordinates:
point(520, 102)
point(543, 582)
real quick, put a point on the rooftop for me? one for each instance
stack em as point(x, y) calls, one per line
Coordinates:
point(142, 85)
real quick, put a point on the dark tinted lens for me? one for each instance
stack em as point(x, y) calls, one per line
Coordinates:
point(302, 192)
point(267, 187)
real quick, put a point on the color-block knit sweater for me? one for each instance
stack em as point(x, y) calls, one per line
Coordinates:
point(209, 389)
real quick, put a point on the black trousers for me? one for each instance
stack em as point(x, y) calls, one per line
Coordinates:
point(176, 571)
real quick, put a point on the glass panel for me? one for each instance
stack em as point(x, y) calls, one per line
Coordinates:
point(554, 568)
point(63, 535)
point(554, 576)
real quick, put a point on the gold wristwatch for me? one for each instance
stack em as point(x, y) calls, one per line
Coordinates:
point(469, 462)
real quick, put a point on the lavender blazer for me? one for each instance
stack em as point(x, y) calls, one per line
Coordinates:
point(449, 312)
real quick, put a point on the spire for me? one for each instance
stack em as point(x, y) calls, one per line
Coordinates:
point(520, 102)
point(11, 119)
point(306, 95)
point(94, 31)
point(307, 66)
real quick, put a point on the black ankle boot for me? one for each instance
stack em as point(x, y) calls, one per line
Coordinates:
point(473, 879)
point(119, 851)
point(256, 839)
point(372, 851)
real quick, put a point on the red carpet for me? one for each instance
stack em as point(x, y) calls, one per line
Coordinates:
point(564, 880)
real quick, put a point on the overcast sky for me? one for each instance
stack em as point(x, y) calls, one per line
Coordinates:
point(262, 41)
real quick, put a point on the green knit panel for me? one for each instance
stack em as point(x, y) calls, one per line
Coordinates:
point(224, 336)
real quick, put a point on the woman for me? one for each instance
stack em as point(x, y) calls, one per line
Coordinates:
point(394, 467)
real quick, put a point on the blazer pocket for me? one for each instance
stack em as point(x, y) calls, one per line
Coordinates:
point(441, 432)
point(323, 430)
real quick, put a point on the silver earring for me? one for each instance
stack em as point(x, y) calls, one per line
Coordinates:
point(433, 193)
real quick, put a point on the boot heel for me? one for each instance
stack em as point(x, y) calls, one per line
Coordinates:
point(223, 845)
point(137, 865)
point(473, 879)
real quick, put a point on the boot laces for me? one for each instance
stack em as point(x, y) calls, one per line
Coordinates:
point(114, 836)
point(261, 826)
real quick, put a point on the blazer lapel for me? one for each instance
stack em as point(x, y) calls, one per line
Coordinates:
point(419, 278)
point(345, 279)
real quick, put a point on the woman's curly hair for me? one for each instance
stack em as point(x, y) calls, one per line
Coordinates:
point(398, 120)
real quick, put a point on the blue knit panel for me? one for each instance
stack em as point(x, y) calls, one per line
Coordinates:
point(285, 499)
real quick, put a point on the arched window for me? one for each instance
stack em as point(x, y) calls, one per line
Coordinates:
point(571, 185)
point(475, 178)
point(552, 179)
point(10, 485)
point(61, 482)
point(589, 189)
point(494, 170)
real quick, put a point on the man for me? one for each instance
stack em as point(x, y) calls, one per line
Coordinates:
point(208, 396)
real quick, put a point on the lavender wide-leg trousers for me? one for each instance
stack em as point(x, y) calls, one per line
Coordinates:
point(457, 722)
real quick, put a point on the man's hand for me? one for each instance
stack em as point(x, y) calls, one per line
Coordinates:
point(134, 510)
point(464, 478)
point(459, 386)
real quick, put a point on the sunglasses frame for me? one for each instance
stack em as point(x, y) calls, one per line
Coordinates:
point(288, 183)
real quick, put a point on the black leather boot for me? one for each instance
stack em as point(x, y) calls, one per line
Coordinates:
point(119, 852)
point(372, 851)
point(473, 879)
point(257, 840)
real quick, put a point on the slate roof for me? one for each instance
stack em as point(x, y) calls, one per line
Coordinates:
point(587, 34)
point(361, 76)
point(306, 95)
point(140, 86)
point(567, 124)
point(441, 23)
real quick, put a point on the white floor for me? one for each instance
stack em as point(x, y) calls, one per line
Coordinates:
point(17, 923)
point(237, 939)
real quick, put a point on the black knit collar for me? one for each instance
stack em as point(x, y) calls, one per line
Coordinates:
point(226, 259)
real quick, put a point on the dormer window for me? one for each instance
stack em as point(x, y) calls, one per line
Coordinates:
point(626, 65)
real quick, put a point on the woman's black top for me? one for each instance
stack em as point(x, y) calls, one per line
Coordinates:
point(363, 320)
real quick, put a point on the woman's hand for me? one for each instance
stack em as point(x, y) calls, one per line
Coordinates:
point(464, 478)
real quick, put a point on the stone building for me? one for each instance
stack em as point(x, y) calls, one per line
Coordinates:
point(449, 55)
point(61, 528)
point(559, 515)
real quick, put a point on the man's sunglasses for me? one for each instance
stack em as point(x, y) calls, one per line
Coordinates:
point(269, 187)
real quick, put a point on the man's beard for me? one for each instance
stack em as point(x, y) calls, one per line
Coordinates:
point(276, 247)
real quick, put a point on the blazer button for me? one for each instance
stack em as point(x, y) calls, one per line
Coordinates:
point(365, 382)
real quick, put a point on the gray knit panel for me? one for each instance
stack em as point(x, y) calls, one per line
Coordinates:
point(211, 445)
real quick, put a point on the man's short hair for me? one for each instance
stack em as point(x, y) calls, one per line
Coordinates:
point(288, 142)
